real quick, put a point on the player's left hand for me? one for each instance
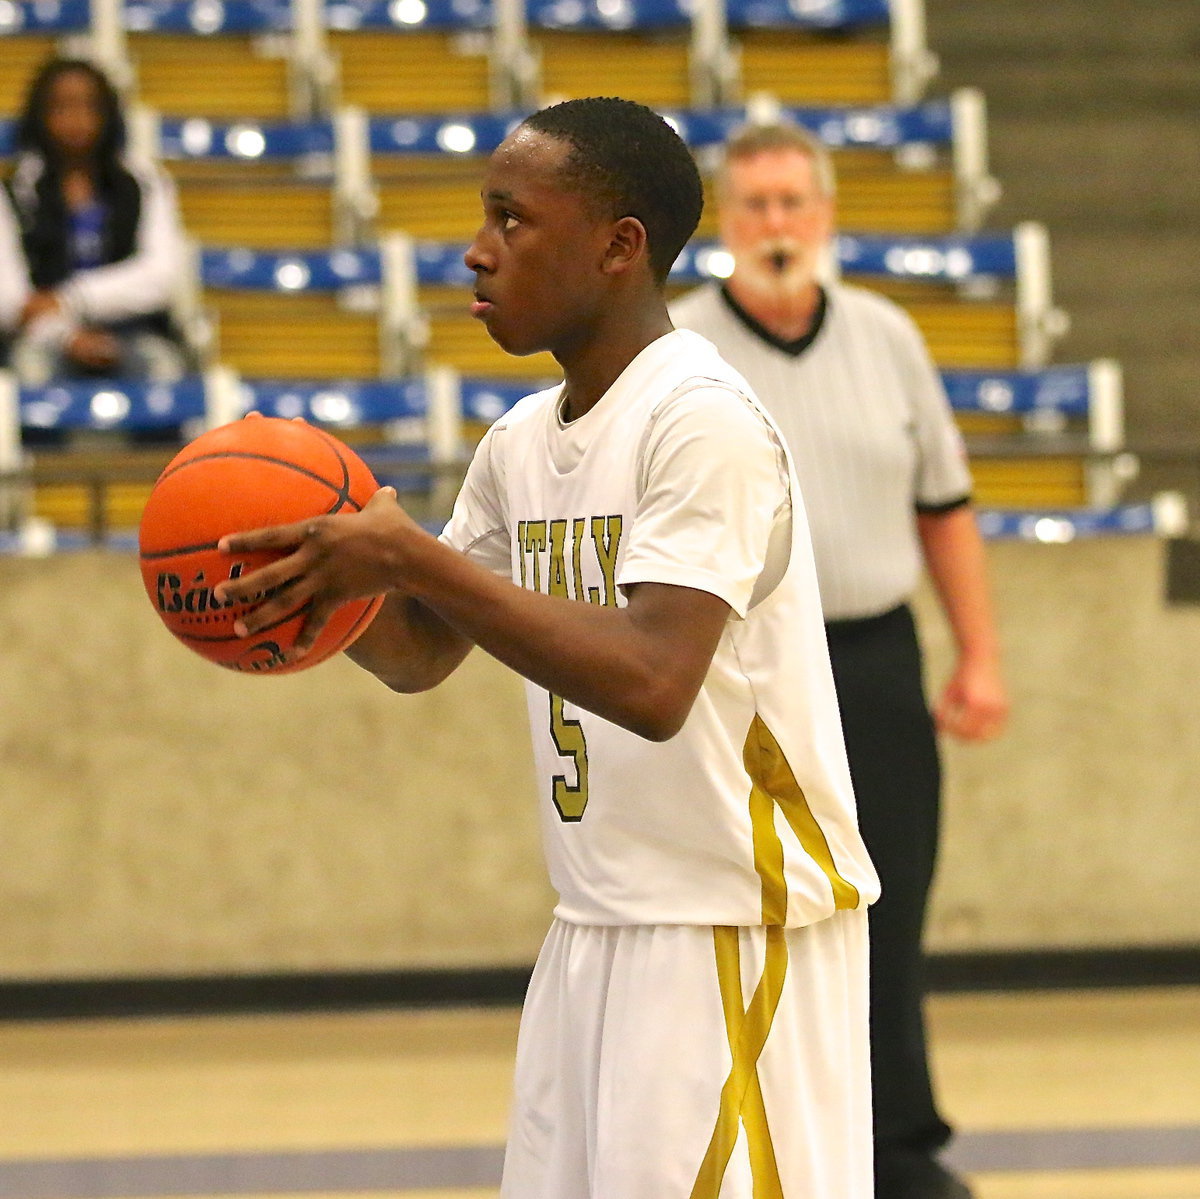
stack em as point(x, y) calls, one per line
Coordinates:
point(974, 704)
point(328, 560)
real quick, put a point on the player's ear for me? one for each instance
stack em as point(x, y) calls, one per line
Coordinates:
point(627, 245)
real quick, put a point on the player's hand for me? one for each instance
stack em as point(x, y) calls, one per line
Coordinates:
point(974, 704)
point(327, 561)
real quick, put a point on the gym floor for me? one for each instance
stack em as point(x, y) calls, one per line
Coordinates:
point(1056, 1095)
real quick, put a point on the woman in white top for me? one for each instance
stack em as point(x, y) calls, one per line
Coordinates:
point(90, 242)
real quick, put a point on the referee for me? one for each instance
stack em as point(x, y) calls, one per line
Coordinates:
point(886, 485)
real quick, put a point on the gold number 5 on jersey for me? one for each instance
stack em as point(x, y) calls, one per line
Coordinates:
point(569, 798)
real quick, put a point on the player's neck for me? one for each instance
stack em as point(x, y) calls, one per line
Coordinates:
point(593, 366)
point(787, 315)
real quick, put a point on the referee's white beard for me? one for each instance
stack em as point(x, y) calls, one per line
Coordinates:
point(778, 269)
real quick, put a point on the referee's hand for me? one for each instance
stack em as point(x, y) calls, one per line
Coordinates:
point(974, 704)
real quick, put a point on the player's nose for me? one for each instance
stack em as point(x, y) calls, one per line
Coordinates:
point(477, 256)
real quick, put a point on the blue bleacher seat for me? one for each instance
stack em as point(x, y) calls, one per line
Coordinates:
point(112, 405)
point(44, 16)
point(424, 415)
point(609, 14)
point(318, 270)
point(1053, 526)
point(949, 259)
point(208, 16)
point(195, 138)
point(408, 14)
point(877, 127)
point(806, 14)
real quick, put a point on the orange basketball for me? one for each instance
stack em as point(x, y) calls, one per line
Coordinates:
point(246, 475)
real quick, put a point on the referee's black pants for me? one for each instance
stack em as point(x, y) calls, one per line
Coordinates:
point(892, 748)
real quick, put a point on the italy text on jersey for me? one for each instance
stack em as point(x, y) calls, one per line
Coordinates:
point(547, 564)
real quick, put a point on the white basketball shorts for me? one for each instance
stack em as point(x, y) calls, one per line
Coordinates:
point(681, 1062)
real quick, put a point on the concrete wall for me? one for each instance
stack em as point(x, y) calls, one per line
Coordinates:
point(1080, 826)
point(161, 816)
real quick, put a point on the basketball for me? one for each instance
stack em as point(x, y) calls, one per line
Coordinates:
point(250, 474)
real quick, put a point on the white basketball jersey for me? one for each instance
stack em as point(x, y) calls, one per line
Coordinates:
point(676, 476)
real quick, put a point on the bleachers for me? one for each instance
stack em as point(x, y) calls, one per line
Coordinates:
point(850, 52)
point(644, 51)
point(303, 185)
point(934, 278)
point(416, 432)
point(426, 170)
point(268, 185)
point(100, 483)
point(328, 155)
point(218, 60)
point(287, 323)
point(1050, 438)
point(1010, 329)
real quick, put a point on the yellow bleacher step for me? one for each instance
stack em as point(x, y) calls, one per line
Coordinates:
point(91, 489)
point(998, 482)
point(886, 200)
point(651, 70)
point(19, 62)
point(1029, 482)
point(306, 335)
point(266, 216)
point(809, 69)
point(293, 335)
point(968, 334)
point(412, 72)
point(428, 200)
point(431, 205)
point(72, 506)
point(227, 171)
point(222, 77)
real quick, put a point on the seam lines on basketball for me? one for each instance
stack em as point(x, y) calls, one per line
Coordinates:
point(342, 492)
point(221, 637)
point(332, 443)
point(348, 638)
point(151, 555)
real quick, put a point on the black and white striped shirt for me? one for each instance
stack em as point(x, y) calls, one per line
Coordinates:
point(866, 418)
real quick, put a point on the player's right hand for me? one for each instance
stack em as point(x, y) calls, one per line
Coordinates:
point(327, 561)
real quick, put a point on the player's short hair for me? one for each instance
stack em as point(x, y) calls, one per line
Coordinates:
point(632, 163)
point(752, 140)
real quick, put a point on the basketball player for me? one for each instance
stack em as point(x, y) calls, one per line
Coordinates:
point(847, 377)
point(633, 543)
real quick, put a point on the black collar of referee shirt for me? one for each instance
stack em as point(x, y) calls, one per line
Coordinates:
point(795, 347)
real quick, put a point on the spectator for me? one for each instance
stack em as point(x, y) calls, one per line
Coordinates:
point(90, 241)
point(847, 377)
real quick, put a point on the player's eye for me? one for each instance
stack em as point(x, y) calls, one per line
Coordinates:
point(508, 220)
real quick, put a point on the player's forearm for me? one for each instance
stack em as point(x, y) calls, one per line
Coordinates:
point(956, 561)
point(640, 666)
point(408, 647)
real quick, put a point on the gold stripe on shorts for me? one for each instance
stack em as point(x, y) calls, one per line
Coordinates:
point(741, 1096)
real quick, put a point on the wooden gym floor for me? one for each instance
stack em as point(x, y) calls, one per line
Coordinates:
point(1057, 1095)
